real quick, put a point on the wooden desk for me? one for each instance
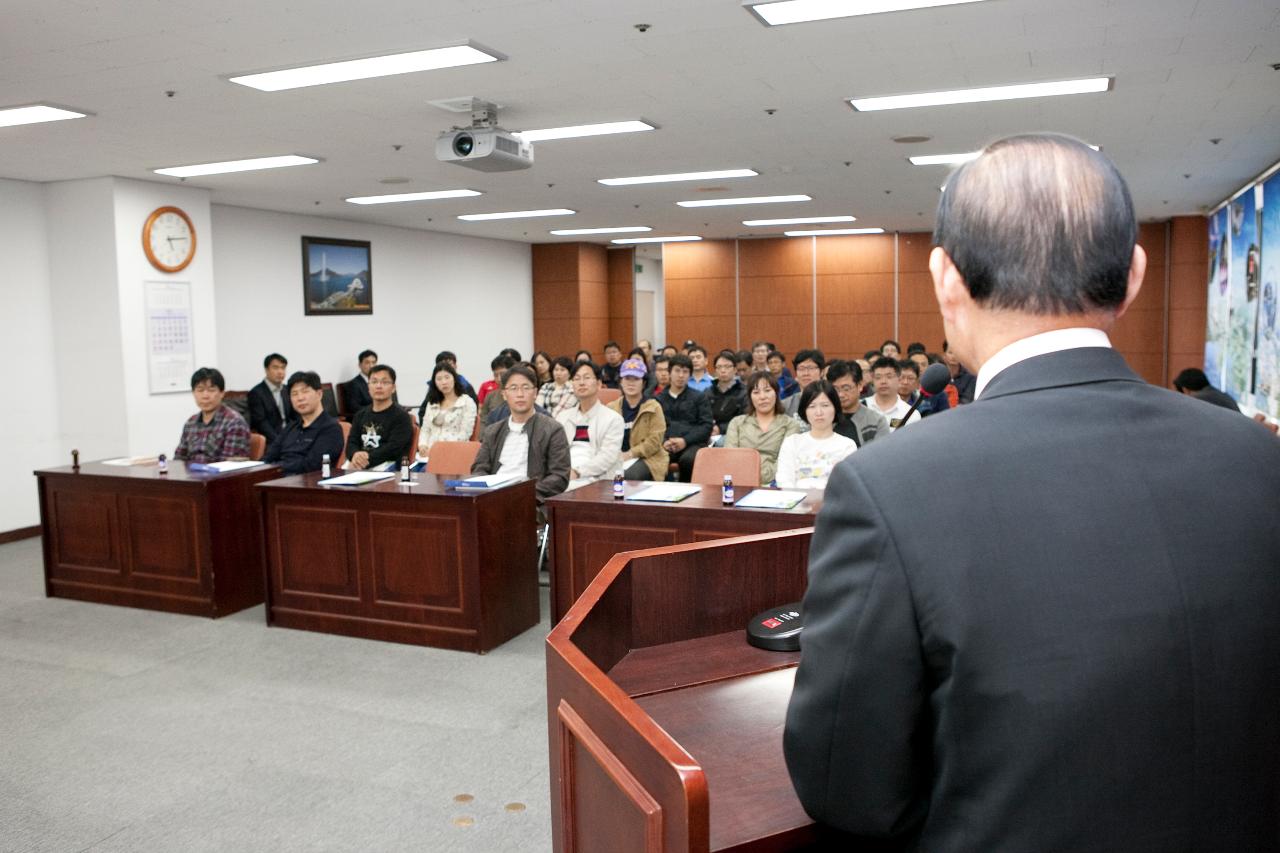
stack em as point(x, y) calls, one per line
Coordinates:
point(182, 542)
point(665, 727)
point(589, 526)
point(418, 564)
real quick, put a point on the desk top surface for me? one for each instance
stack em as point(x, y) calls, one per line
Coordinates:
point(709, 498)
point(421, 484)
point(177, 472)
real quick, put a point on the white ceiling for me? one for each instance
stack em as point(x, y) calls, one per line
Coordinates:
point(1186, 72)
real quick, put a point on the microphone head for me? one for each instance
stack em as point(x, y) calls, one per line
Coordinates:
point(935, 378)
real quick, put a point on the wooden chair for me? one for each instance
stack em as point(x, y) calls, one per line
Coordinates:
point(413, 445)
point(712, 464)
point(608, 395)
point(452, 457)
point(257, 445)
point(346, 433)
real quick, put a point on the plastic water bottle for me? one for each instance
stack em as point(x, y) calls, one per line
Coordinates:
point(163, 463)
point(324, 466)
point(726, 491)
point(618, 490)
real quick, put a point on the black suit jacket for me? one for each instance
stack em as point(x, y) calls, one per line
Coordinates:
point(1073, 643)
point(264, 415)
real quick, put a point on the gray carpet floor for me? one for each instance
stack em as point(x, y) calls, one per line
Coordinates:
point(128, 730)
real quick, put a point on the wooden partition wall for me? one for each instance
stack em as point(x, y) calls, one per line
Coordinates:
point(583, 295)
point(847, 294)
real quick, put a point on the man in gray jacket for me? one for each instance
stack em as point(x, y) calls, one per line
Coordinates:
point(527, 442)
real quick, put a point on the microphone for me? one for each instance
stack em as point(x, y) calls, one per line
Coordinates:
point(936, 377)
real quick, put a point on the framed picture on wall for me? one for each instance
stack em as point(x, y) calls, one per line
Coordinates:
point(337, 276)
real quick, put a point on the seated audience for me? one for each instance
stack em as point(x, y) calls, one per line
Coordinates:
point(447, 356)
point(960, 389)
point(891, 349)
point(700, 378)
point(865, 363)
point(513, 354)
point(583, 355)
point(269, 407)
point(593, 430)
point(886, 379)
point(541, 363)
point(489, 401)
point(382, 431)
point(650, 381)
point(1193, 382)
point(909, 390)
point(859, 422)
point(916, 347)
point(742, 360)
point(808, 365)
point(644, 427)
point(356, 392)
point(728, 394)
point(760, 356)
point(920, 359)
point(661, 374)
point(688, 415)
point(609, 370)
point(778, 367)
point(447, 414)
point(669, 350)
point(806, 459)
point(765, 425)
point(215, 432)
point(304, 442)
point(527, 442)
point(556, 396)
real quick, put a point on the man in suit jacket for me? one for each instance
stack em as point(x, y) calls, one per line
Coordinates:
point(1092, 662)
point(269, 406)
point(357, 389)
point(526, 442)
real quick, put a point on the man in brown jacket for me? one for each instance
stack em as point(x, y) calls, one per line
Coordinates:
point(527, 442)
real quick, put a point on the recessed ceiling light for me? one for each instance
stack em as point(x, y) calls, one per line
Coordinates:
point(684, 239)
point(759, 199)
point(579, 130)
point(679, 176)
point(954, 159)
point(236, 166)
point(394, 198)
point(35, 114)
point(625, 229)
point(517, 214)
point(363, 69)
point(833, 231)
point(987, 93)
point(802, 220)
point(795, 11)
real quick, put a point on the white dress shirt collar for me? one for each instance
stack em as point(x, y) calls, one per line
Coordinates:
point(1041, 344)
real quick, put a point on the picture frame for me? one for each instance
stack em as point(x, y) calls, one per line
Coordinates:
point(337, 276)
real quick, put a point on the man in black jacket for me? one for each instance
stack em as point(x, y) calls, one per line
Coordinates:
point(688, 414)
point(381, 432)
point(304, 442)
point(1092, 659)
point(269, 406)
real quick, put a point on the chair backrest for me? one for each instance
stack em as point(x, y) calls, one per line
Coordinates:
point(452, 457)
point(346, 432)
point(608, 395)
point(413, 445)
point(712, 463)
point(327, 399)
point(238, 402)
point(257, 445)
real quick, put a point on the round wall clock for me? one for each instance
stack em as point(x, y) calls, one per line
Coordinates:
point(169, 239)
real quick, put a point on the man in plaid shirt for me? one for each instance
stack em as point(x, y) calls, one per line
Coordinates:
point(215, 432)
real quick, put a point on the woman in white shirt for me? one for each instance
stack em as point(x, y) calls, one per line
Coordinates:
point(449, 415)
point(805, 460)
point(557, 396)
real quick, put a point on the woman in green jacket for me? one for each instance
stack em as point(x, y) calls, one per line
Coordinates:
point(765, 424)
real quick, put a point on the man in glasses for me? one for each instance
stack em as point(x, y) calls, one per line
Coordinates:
point(526, 442)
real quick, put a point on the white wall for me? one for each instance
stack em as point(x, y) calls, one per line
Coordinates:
point(431, 292)
point(650, 278)
point(29, 430)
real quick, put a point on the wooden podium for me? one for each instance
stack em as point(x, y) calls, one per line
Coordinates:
point(665, 726)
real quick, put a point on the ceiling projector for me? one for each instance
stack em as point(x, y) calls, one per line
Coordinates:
point(484, 145)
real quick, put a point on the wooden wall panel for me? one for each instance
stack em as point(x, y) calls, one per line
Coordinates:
point(704, 259)
point(1140, 334)
point(856, 253)
point(701, 292)
point(1188, 291)
point(855, 284)
point(622, 290)
point(557, 325)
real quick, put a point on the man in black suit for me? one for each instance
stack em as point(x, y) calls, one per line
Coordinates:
point(269, 406)
point(357, 390)
point(1077, 646)
point(1194, 383)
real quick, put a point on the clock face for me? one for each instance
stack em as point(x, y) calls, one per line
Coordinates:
point(169, 239)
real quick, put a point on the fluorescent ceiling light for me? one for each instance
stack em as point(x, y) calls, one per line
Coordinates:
point(625, 229)
point(578, 130)
point(35, 114)
point(236, 166)
point(685, 239)
point(517, 214)
point(988, 93)
point(833, 231)
point(363, 69)
point(954, 159)
point(395, 198)
point(679, 176)
point(795, 11)
point(759, 199)
point(802, 220)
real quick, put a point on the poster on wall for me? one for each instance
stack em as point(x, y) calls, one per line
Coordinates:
point(170, 351)
point(1267, 394)
point(1242, 293)
point(1215, 338)
point(336, 276)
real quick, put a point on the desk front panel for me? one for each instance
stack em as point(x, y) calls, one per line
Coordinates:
point(180, 542)
point(415, 565)
point(590, 526)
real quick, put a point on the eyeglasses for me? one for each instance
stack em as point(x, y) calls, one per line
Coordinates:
point(519, 389)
